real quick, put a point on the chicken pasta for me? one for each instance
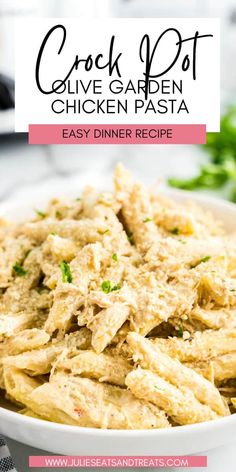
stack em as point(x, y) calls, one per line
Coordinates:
point(118, 311)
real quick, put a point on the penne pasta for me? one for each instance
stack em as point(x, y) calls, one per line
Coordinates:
point(108, 406)
point(222, 367)
point(102, 367)
point(40, 361)
point(27, 340)
point(12, 323)
point(106, 323)
point(180, 404)
point(214, 319)
point(151, 358)
point(137, 209)
point(68, 296)
point(203, 345)
point(83, 231)
point(56, 404)
point(18, 385)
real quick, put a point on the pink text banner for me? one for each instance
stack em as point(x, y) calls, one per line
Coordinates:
point(117, 461)
point(117, 134)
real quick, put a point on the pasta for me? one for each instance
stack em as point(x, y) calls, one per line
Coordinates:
point(118, 311)
point(173, 371)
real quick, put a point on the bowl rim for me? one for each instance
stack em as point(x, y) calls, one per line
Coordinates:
point(7, 414)
point(188, 195)
point(50, 425)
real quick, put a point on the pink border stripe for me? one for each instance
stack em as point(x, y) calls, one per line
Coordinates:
point(117, 134)
point(117, 461)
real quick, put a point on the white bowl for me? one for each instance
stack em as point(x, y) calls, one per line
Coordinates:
point(72, 440)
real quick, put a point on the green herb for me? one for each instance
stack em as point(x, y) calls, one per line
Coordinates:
point(115, 257)
point(158, 388)
point(130, 238)
point(147, 220)
point(182, 241)
point(180, 331)
point(107, 288)
point(106, 231)
point(66, 272)
point(42, 288)
point(78, 199)
point(175, 231)
point(220, 171)
point(19, 270)
point(204, 259)
point(40, 213)
point(58, 215)
point(116, 287)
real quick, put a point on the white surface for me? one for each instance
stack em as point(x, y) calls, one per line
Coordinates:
point(7, 121)
point(221, 459)
point(87, 106)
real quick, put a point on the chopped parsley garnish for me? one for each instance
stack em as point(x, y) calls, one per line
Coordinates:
point(41, 214)
point(182, 241)
point(78, 199)
point(130, 237)
point(175, 231)
point(147, 220)
point(116, 287)
point(220, 169)
point(106, 231)
point(158, 388)
point(19, 270)
point(107, 287)
point(66, 272)
point(204, 259)
point(58, 215)
point(180, 331)
point(115, 257)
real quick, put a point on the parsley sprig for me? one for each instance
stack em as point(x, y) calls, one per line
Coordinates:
point(175, 231)
point(19, 269)
point(107, 287)
point(66, 272)
point(220, 171)
point(159, 388)
point(40, 213)
point(130, 237)
point(180, 331)
point(204, 259)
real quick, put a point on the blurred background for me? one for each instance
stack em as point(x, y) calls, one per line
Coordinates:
point(211, 168)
